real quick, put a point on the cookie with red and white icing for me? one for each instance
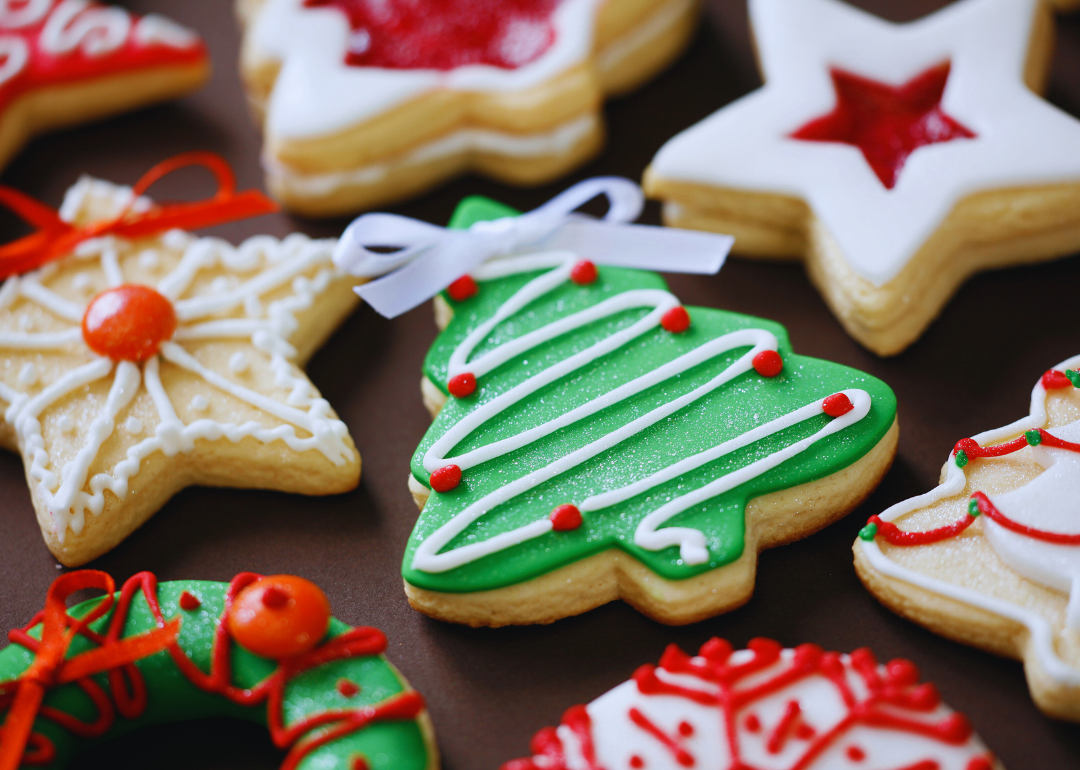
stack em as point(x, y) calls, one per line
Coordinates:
point(365, 103)
point(991, 557)
point(766, 708)
point(131, 367)
point(895, 159)
point(69, 61)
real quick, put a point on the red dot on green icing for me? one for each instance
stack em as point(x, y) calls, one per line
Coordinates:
point(359, 763)
point(189, 602)
point(584, 273)
point(565, 518)
point(446, 478)
point(347, 687)
point(463, 288)
point(1055, 380)
point(676, 320)
point(462, 385)
point(837, 405)
point(768, 363)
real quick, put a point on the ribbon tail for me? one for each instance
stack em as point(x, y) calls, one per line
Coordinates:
point(665, 249)
point(195, 216)
point(19, 724)
point(120, 653)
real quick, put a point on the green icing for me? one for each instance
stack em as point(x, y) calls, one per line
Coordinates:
point(745, 402)
point(173, 698)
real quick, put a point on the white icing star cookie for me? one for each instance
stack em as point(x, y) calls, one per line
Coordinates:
point(895, 159)
point(131, 369)
point(366, 103)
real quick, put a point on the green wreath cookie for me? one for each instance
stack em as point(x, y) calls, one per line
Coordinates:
point(260, 649)
point(597, 440)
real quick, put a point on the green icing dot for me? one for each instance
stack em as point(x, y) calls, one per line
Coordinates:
point(869, 532)
point(1034, 438)
point(961, 459)
point(973, 507)
point(1074, 377)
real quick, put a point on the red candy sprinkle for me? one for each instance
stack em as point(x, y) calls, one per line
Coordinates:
point(752, 723)
point(584, 272)
point(768, 363)
point(189, 602)
point(565, 518)
point(837, 405)
point(1055, 380)
point(637, 762)
point(359, 763)
point(461, 386)
point(347, 687)
point(676, 320)
point(463, 288)
point(446, 478)
point(279, 616)
point(855, 754)
point(128, 323)
point(686, 729)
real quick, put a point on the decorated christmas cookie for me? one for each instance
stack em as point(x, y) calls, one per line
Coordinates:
point(598, 440)
point(138, 359)
point(365, 103)
point(258, 648)
point(895, 159)
point(764, 707)
point(69, 61)
point(992, 556)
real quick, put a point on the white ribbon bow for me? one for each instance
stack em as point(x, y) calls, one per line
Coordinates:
point(430, 258)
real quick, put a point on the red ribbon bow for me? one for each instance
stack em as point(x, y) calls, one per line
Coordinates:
point(56, 238)
point(50, 668)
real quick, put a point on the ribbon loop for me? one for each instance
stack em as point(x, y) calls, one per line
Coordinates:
point(429, 257)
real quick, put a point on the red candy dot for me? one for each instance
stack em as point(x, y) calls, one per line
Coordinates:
point(902, 672)
point(837, 405)
point(463, 288)
point(446, 478)
point(128, 323)
point(565, 518)
point(954, 728)
point(1055, 380)
point(189, 602)
point(584, 272)
point(855, 754)
point(280, 616)
point(461, 386)
point(347, 687)
point(359, 763)
point(752, 723)
point(768, 363)
point(676, 320)
point(637, 762)
point(686, 729)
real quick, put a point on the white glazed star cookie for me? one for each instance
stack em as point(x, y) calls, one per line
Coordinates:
point(366, 103)
point(131, 369)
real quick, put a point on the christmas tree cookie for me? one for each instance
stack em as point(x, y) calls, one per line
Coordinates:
point(595, 440)
point(262, 649)
point(991, 557)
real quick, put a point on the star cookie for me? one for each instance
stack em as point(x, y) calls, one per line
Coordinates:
point(69, 61)
point(366, 103)
point(895, 159)
point(131, 369)
point(992, 556)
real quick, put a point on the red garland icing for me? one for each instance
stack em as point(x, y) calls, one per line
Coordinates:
point(43, 68)
point(127, 689)
point(878, 706)
point(896, 536)
point(887, 123)
point(445, 34)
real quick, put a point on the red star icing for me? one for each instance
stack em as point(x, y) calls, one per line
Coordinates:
point(887, 123)
point(445, 34)
point(52, 42)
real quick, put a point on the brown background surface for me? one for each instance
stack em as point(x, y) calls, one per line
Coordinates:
point(490, 690)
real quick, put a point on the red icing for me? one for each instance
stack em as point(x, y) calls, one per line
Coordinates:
point(676, 320)
point(637, 762)
point(565, 518)
point(446, 478)
point(359, 763)
point(768, 363)
point(445, 34)
point(463, 288)
point(1055, 380)
point(128, 323)
point(127, 692)
point(44, 68)
point(348, 688)
point(584, 273)
point(881, 702)
point(461, 386)
point(189, 602)
point(981, 763)
point(887, 123)
point(837, 405)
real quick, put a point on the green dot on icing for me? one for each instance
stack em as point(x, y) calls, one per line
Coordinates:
point(869, 532)
point(1074, 377)
point(973, 507)
point(1034, 438)
point(961, 459)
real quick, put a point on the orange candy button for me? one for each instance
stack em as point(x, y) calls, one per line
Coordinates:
point(128, 323)
point(279, 616)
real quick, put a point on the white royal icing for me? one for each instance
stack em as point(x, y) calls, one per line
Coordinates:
point(1060, 567)
point(649, 534)
point(261, 265)
point(1021, 139)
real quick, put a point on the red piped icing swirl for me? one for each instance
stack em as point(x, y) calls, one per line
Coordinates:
point(127, 691)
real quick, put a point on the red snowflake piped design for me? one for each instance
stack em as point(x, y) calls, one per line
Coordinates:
point(766, 714)
point(445, 34)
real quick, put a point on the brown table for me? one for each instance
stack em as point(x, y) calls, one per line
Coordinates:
point(489, 690)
